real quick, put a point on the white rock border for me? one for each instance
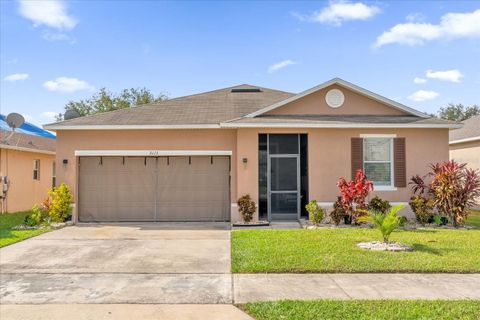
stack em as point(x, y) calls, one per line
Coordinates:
point(53, 226)
point(384, 246)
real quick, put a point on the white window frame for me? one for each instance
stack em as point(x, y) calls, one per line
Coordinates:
point(391, 187)
point(54, 174)
point(36, 170)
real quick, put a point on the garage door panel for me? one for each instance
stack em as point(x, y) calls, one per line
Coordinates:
point(193, 188)
point(117, 189)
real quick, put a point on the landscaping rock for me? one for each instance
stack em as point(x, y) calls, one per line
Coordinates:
point(384, 246)
point(260, 223)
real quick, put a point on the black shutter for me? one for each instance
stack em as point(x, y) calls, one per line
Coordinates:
point(399, 162)
point(357, 155)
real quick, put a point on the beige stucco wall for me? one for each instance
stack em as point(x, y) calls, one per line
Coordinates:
point(355, 104)
point(24, 192)
point(328, 153)
point(208, 139)
point(469, 153)
point(329, 157)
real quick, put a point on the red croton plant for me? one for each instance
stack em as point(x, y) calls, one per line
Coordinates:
point(354, 194)
point(453, 188)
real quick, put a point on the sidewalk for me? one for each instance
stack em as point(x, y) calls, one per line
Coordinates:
point(122, 312)
point(265, 287)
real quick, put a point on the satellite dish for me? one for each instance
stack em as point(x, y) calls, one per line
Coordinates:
point(71, 114)
point(15, 120)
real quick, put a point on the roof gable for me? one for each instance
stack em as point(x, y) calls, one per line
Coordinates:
point(358, 101)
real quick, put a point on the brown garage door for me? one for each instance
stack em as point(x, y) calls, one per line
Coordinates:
point(193, 188)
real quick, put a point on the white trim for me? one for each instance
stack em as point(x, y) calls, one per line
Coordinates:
point(338, 125)
point(54, 127)
point(391, 187)
point(376, 135)
point(385, 188)
point(152, 153)
point(330, 203)
point(234, 205)
point(347, 85)
point(464, 140)
point(254, 125)
point(6, 146)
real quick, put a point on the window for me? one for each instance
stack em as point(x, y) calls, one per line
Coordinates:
point(54, 174)
point(36, 169)
point(377, 161)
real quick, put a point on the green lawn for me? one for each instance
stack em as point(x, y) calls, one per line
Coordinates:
point(474, 219)
point(9, 220)
point(363, 310)
point(334, 250)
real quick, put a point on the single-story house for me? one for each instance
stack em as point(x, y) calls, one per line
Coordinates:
point(27, 160)
point(191, 158)
point(465, 144)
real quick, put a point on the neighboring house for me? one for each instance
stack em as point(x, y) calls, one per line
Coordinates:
point(465, 143)
point(191, 158)
point(27, 159)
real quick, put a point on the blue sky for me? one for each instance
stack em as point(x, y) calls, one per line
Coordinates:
point(54, 52)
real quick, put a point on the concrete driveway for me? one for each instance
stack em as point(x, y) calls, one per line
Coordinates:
point(120, 264)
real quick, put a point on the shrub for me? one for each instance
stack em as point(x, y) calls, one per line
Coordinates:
point(316, 213)
point(59, 209)
point(36, 217)
point(403, 220)
point(246, 207)
point(423, 208)
point(338, 213)
point(378, 204)
point(354, 193)
point(39, 214)
point(385, 223)
point(454, 189)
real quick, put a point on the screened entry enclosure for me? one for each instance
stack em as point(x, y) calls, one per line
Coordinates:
point(129, 189)
point(283, 177)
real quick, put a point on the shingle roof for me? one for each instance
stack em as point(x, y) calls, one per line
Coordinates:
point(471, 129)
point(205, 108)
point(19, 140)
point(343, 119)
point(224, 108)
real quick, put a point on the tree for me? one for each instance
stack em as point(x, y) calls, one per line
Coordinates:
point(458, 112)
point(104, 101)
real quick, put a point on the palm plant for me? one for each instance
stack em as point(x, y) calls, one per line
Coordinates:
point(385, 223)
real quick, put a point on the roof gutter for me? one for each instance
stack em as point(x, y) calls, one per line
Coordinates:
point(53, 127)
point(253, 125)
point(465, 140)
point(339, 125)
point(6, 146)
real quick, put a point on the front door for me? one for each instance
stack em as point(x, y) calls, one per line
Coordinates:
point(284, 187)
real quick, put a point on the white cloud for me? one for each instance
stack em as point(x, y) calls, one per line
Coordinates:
point(423, 95)
point(415, 17)
point(51, 13)
point(280, 65)
point(16, 77)
point(452, 25)
point(339, 11)
point(448, 75)
point(418, 80)
point(65, 84)
point(57, 36)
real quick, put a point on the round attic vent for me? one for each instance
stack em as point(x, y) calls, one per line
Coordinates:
point(334, 98)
